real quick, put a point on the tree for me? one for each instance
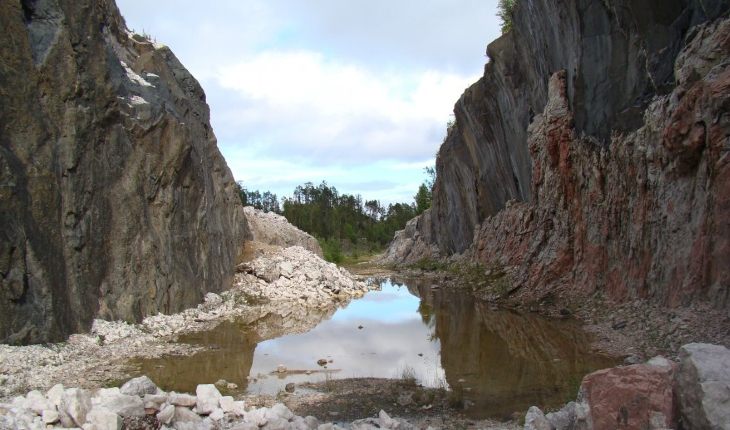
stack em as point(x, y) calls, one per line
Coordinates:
point(423, 199)
point(505, 9)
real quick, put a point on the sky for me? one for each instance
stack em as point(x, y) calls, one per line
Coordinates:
point(357, 93)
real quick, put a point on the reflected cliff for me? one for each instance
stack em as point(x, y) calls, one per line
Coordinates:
point(497, 361)
point(503, 361)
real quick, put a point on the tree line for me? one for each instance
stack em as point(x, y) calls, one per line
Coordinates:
point(341, 222)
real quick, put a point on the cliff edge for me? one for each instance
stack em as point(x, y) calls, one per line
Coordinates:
point(116, 202)
point(592, 155)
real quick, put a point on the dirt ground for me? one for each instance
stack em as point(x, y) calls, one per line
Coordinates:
point(346, 400)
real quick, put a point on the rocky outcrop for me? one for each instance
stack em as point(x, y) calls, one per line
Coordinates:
point(414, 242)
point(272, 229)
point(703, 383)
point(658, 394)
point(610, 176)
point(116, 201)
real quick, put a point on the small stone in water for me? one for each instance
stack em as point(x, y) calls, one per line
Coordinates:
point(322, 361)
point(290, 387)
point(281, 368)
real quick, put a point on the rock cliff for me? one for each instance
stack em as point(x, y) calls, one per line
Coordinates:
point(116, 202)
point(592, 155)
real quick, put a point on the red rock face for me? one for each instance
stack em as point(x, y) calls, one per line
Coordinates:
point(648, 216)
point(631, 397)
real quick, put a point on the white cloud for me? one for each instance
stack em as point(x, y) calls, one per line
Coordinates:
point(332, 110)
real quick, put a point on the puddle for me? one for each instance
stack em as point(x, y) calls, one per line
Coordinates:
point(501, 361)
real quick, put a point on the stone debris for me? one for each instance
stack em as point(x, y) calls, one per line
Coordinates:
point(273, 229)
point(649, 395)
point(104, 409)
point(313, 290)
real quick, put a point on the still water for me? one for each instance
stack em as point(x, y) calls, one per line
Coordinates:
point(503, 361)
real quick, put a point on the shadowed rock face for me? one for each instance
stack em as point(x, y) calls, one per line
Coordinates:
point(622, 186)
point(116, 202)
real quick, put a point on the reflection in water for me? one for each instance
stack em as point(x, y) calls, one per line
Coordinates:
point(501, 361)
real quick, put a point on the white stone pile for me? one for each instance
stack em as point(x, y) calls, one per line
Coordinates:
point(295, 274)
point(140, 403)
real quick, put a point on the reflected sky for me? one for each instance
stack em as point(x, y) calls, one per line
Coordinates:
point(388, 344)
point(502, 361)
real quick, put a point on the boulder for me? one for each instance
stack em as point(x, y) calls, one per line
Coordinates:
point(629, 397)
point(166, 414)
point(184, 416)
point(55, 394)
point(564, 419)
point(230, 406)
point(50, 416)
point(37, 402)
point(123, 405)
point(139, 387)
point(703, 386)
point(182, 399)
point(75, 404)
point(208, 398)
point(102, 418)
point(535, 420)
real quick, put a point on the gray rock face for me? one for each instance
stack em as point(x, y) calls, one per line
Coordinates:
point(618, 54)
point(414, 242)
point(591, 155)
point(703, 386)
point(116, 201)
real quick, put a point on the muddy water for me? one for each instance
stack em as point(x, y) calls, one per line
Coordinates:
point(499, 361)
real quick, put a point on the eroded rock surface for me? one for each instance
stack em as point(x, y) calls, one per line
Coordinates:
point(272, 229)
point(116, 202)
point(609, 176)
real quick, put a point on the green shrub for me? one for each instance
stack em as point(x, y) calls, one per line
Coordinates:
point(505, 9)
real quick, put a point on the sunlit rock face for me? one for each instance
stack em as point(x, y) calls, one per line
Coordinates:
point(116, 202)
point(611, 175)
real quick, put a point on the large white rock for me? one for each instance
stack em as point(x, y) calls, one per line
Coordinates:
point(703, 386)
point(217, 414)
point(563, 419)
point(181, 399)
point(37, 402)
point(103, 419)
point(50, 416)
point(75, 404)
point(208, 398)
point(277, 423)
point(230, 406)
point(166, 414)
point(256, 416)
point(123, 405)
point(535, 420)
point(279, 411)
point(386, 421)
point(185, 416)
point(55, 393)
point(139, 387)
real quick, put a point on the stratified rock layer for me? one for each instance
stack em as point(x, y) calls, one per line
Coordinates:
point(116, 202)
point(621, 184)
